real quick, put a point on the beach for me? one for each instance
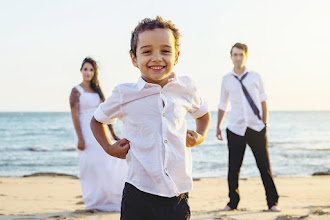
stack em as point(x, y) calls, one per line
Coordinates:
point(59, 197)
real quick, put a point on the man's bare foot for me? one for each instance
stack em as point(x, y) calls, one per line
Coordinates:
point(274, 208)
point(227, 208)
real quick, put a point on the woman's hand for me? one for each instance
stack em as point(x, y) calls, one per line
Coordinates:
point(117, 138)
point(81, 144)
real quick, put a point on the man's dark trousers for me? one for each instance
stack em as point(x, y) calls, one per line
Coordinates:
point(259, 146)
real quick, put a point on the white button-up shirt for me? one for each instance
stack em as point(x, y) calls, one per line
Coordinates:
point(159, 161)
point(241, 114)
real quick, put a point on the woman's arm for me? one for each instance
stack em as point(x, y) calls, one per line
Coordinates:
point(113, 132)
point(74, 105)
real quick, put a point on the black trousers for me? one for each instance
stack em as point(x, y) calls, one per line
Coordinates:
point(259, 146)
point(139, 205)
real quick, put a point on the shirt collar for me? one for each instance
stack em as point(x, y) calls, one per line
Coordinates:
point(235, 74)
point(141, 82)
point(177, 80)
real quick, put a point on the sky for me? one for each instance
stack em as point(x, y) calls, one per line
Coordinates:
point(43, 43)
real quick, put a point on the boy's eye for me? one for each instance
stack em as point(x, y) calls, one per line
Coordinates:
point(146, 51)
point(166, 51)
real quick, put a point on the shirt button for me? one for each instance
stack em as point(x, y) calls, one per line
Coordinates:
point(149, 85)
point(161, 92)
point(165, 169)
point(164, 114)
point(165, 141)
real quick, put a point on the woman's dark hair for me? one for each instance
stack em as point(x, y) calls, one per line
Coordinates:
point(151, 24)
point(95, 81)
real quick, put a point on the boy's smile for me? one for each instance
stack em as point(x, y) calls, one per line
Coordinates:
point(155, 55)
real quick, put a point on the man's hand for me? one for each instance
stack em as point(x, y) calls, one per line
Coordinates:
point(219, 134)
point(119, 149)
point(193, 138)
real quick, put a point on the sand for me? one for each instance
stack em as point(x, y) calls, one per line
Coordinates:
point(59, 197)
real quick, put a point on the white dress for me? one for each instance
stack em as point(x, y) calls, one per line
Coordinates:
point(102, 177)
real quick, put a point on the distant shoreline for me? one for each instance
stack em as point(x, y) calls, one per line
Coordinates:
point(213, 110)
point(54, 174)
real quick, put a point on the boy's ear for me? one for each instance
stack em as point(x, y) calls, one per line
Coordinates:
point(134, 60)
point(176, 57)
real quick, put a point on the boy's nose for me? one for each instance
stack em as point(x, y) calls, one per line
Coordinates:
point(156, 57)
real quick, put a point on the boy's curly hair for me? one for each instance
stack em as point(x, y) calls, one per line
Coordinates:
point(151, 24)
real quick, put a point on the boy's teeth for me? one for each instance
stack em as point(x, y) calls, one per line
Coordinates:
point(157, 68)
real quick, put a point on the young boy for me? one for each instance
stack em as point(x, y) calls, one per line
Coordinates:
point(247, 125)
point(155, 137)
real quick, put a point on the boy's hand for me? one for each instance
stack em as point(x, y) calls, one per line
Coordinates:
point(119, 149)
point(219, 134)
point(81, 144)
point(193, 138)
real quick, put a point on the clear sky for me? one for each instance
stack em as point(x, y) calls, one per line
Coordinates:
point(43, 43)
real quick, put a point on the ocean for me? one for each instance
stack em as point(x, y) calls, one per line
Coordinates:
point(299, 145)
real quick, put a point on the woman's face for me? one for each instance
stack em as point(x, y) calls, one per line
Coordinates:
point(87, 72)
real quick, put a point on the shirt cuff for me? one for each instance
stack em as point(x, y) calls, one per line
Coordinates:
point(222, 106)
point(203, 109)
point(103, 118)
point(263, 97)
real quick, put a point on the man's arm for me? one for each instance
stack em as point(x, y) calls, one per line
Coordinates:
point(202, 126)
point(264, 112)
point(221, 115)
point(118, 149)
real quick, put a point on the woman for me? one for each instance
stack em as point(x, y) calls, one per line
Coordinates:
point(102, 177)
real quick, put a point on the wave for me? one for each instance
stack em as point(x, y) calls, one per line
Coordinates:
point(39, 148)
point(56, 148)
point(299, 146)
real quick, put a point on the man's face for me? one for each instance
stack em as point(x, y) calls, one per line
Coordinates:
point(238, 56)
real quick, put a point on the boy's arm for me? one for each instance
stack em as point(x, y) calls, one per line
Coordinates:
point(264, 112)
point(221, 115)
point(202, 126)
point(118, 149)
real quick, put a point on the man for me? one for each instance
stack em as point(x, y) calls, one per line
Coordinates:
point(247, 125)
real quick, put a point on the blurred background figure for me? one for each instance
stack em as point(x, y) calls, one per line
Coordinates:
point(101, 176)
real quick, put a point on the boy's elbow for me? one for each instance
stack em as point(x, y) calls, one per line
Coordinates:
point(94, 122)
point(206, 116)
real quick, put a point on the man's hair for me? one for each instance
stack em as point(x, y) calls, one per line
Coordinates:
point(240, 46)
point(151, 24)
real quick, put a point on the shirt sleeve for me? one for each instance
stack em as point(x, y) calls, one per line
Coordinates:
point(199, 106)
point(262, 94)
point(224, 97)
point(109, 110)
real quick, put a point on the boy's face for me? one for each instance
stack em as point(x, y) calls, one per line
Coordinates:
point(155, 55)
point(238, 56)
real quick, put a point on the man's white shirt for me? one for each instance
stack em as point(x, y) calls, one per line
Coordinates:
point(241, 114)
point(159, 161)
